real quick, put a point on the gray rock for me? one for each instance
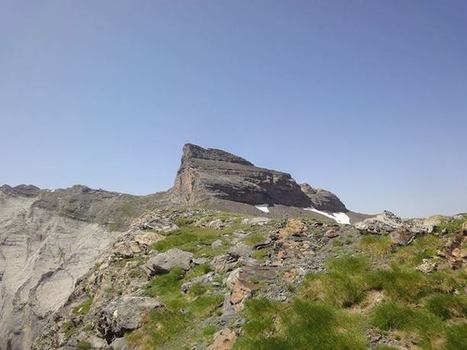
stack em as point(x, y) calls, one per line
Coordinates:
point(123, 315)
point(164, 262)
point(207, 173)
point(260, 221)
point(216, 244)
point(381, 223)
point(204, 279)
point(323, 199)
point(427, 266)
point(119, 344)
point(402, 237)
point(240, 250)
point(43, 253)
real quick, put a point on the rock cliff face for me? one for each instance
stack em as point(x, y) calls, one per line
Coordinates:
point(211, 173)
point(48, 240)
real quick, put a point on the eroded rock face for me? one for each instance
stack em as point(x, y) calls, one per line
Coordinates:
point(323, 199)
point(211, 173)
point(42, 255)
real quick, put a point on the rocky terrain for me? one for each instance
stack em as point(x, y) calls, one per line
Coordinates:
point(232, 257)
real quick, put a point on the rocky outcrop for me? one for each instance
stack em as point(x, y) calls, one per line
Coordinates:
point(323, 199)
point(214, 174)
point(163, 262)
point(48, 241)
point(42, 255)
point(123, 315)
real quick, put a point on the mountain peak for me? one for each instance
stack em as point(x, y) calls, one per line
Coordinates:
point(191, 151)
point(213, 174)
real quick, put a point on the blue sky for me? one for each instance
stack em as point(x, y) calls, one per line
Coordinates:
point(365, 98)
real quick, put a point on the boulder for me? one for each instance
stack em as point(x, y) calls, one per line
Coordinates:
point(216, 244)
point(402, 236)
point(240, 250)
point(123, 315)
point(427, 266)
point(163, 262)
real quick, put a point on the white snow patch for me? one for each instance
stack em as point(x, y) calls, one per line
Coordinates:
point(340, 218)
point(263, 207)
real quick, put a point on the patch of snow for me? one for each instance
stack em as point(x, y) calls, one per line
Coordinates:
point(340, 218)
point(263, 207)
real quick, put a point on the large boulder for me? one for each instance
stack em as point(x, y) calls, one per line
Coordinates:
point(124, 314)
point(163, 262)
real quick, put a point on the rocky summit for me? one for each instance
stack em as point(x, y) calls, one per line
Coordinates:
point(207, 174)
point(234, 256)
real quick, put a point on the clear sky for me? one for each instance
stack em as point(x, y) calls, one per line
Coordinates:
point(365, 98)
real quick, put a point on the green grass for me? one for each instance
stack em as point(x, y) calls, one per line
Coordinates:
point(456, 337)
point(391, 316)
point(84, 345)
point(299, 325)
point(167, 288)
point(423, 247)
point(179, 323)
point(83, 308)
point(447, 306)
point(450, 225)
point(400, 284)
point(376, 245)
point(343, 286)
point(193, 239)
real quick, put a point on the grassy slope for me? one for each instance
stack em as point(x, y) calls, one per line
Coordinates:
point(376, 288)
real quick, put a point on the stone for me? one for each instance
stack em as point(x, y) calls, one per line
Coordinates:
point(216, 244)
point(124, 314)
point(119, 344)
point(223, 340)
point(204, 279)
point(402, 237)
point(260, 221)
point(240, 250)
point(224, 263)
point(126, 249)
point(200, 261)
point(427, 266)
point(381, 223)
point(240, 234)
point(147, 239)
point(96, 342)
point(331, 233)
point(163, 262)
point(216, 224)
